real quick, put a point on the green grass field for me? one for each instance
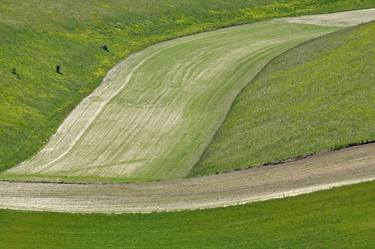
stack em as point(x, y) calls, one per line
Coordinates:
point(339, 218)
point(38, 35)
point(162, 109)
point(283, 114)
point(318, 96)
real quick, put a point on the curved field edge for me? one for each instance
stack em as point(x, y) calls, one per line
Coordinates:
point(316, 97)
point(338, 218)
point(176, 91)
point(34, 100)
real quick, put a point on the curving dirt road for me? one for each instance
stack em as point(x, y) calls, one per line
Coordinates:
point(323, 171)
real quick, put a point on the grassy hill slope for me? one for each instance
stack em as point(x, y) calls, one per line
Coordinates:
point(339, 218)
point(319, 96)
point(157, 126)
point(38, 35)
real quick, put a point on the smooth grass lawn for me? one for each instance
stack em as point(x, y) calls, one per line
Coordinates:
point(339, 218)
point(319, 96)
point(37, 35)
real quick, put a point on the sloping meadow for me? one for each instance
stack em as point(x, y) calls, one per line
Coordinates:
point(160, 108)
point(36, 36)
point(318, 96)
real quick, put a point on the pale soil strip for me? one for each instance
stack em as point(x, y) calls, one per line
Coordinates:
point(344, 19)
point(319, 172)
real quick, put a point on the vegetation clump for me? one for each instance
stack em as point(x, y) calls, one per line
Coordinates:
point(104, 47)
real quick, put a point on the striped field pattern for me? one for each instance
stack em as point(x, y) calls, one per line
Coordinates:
point(155, 112)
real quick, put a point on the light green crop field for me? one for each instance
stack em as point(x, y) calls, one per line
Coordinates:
point(154, 118)
point(40, 34)
point(318, 96)
point(339, 218)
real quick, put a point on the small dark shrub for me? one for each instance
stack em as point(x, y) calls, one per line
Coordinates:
point(105, 47)
point(58, 69)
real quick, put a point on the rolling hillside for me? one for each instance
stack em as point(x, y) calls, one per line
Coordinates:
point(160, 107)
point(319, 96)
point(39, 35)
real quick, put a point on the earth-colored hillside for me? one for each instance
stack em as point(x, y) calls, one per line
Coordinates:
point(319, 96)
point(36, 36)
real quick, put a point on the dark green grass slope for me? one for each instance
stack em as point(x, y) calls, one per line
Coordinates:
point(319, 96)
point(339, 218)
point(37, 35)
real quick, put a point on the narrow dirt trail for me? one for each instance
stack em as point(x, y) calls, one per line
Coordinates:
point(323, 171)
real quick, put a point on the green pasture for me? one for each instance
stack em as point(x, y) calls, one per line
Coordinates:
point(316, 97)
point(171, 100)
point(38, 35)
